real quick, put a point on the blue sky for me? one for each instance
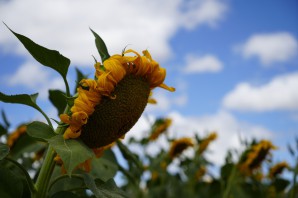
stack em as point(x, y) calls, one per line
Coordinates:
point(234, 63)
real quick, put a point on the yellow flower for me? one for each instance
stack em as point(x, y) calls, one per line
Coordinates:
point(108, 106)
point(160, 126)
point(15, 135)
point(277, 169)
point(253, 158)
point(200, 172)
point(178, 146)
point(205, 142)
point(154, 175)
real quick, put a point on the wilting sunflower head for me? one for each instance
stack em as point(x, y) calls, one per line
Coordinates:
point(160, 126)
point(277, 169)
point(253, 158)
point(179, 145)
point(107, 107)
point(206, 141)
point(15, 135)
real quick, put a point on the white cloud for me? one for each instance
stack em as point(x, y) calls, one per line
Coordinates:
point(63, 25)
point(280, 93)
point(166, 100)
point(35, 77)
point(229, 131)
point(206, 63)
point(203, 12)
point(271, 48)
point(29, 75)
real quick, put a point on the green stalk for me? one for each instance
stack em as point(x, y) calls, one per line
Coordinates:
point(230, 182)
point(45, 174)
point(66, 86)
point(43, 179)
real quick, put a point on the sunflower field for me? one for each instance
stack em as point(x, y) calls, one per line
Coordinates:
point(83, 154)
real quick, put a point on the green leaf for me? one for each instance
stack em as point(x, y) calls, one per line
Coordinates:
point(71, 151)
point(103, 189)
point(101, 47)
point(40, 130)
point(280, 184)
point(7, 124)
point(47, 57)
point(10, 184)
point(65, 194)
point(25, 99)
point(80, 76)
point(3, 131)
point(4, 150)
point(66, 183)
point(103, 169)
point(58, 99)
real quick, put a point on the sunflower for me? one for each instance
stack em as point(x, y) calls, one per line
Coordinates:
point(205, 142)
point(277, 169)
point(200, 173)
point(160, 126)
point(15, 135)
point(253, 158)
point(108, 106)
point(178, 146)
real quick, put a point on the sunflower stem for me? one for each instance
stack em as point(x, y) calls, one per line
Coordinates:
point(230, 182)
point(43, 179)
point(67, 87)
point(45, 174)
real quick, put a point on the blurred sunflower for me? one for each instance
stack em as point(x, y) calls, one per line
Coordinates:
point(206, 141)
point(277, 169)
point(253, 158)
point(200, 173)
point(108, 106)
point(15, 135)
point(179, 145)
point(159, 127)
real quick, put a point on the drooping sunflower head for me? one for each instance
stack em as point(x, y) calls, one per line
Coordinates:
point(277, 169)
point(108, 106)
point(159, 127)
point(179, 145)
point(206, 141)
point(253, 158)
point(15, 135)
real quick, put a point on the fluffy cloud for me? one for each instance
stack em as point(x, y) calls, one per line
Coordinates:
point(63, 24)
point(229, 130)
point(206, 63)
point(280, 93)
point(35, 77)
point(271, 47)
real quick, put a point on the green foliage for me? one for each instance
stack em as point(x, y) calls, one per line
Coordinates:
point(10, 184)
point(40, 130)
point(58, 99)
point(101, 46)
point(72, 152)
point(46, 57)
point(25, 99)
point(4, 150)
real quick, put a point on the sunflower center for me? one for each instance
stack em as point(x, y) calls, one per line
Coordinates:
point(112, 118)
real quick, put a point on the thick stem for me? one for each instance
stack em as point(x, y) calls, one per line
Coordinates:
point(42, 183)
point(45, 174)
